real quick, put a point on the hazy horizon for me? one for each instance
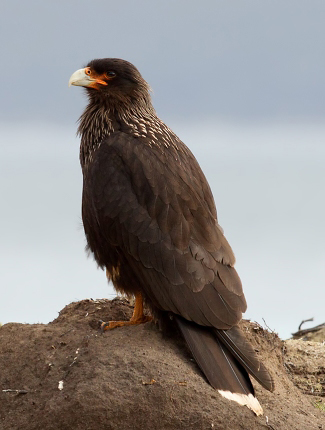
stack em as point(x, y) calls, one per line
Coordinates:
point(267, 180)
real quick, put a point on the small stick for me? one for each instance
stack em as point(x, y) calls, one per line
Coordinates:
point(267, 423)
point(15, 391)
point(63, 334)
point(304, 321)
point(272, 331)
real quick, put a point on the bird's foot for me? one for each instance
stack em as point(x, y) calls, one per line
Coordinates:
point(133, 321)
point(138, 316)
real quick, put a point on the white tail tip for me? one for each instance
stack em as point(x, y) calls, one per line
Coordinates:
point(245, 400)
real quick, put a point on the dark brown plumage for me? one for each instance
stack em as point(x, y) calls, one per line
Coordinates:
point(150, 220)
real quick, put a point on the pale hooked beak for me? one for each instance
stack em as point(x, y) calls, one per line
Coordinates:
point(88, 78)
point(81, 79)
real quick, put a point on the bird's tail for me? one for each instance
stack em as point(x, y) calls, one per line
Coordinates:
point(225, 357)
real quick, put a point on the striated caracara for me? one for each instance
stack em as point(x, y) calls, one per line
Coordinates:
point(150, 220)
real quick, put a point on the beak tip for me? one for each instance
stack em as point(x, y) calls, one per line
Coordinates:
point(79, 78)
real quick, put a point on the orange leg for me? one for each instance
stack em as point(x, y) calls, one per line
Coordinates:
point(138, 316)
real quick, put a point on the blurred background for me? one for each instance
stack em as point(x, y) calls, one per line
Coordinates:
point(242, 83)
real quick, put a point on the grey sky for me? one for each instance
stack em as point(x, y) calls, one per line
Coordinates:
point(226, 58)
point(242, 83)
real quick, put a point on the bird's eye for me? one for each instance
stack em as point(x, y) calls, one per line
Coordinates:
point(87, 71)
point(110, 74)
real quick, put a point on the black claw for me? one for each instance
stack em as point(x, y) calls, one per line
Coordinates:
point(103, 324)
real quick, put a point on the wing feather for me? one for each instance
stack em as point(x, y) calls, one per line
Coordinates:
point(161, 216)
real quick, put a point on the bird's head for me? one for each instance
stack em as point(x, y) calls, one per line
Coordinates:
point(111, 77)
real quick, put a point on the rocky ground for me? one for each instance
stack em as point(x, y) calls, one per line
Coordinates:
point(67, 375)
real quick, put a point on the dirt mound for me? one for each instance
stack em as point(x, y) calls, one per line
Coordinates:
point(67, 375)
point(315, 334)
point(305, 361)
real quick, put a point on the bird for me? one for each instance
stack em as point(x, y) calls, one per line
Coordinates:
point(150, 221)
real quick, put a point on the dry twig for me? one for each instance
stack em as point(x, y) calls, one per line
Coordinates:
point(15, 391)
point(304, 321)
